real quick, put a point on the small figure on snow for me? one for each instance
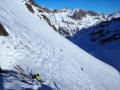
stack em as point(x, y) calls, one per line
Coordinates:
point(37, 77)
point(81, 68)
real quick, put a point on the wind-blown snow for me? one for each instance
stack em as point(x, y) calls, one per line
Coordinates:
point(33, 44)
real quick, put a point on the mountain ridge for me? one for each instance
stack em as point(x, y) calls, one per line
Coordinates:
point(67, 21)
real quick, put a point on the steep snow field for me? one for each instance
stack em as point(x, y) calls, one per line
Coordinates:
point(33, 44)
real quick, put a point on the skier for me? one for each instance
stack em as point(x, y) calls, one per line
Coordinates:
point(37, 77)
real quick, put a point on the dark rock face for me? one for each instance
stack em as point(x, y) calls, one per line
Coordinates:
point(32, 2)
point(29, 7)
point(43, 9)
point(92, 13)
point(105, 36)
point(49, 22)
point(63, 31)
point(3, 32)
point(78, 14)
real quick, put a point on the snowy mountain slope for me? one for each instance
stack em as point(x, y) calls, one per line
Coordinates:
point(102, 41)
point(68, 22)
point(33, 44)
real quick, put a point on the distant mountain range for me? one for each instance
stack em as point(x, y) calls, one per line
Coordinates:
point(67, 22)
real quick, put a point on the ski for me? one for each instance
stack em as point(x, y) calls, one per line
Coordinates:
point(21, 71)
point(19, 67)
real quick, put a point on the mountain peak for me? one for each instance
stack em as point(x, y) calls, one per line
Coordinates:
point(79, 13)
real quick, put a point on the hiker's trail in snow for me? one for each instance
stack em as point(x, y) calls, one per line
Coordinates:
point(34, 45)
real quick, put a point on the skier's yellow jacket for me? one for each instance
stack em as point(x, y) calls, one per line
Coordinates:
point(38, 77)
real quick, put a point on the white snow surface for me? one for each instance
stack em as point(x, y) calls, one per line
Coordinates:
point(33, 44)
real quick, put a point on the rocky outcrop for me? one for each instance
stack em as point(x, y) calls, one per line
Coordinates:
point(3, 32)
point(29, 7)
point(78, 14)
point(40, 8)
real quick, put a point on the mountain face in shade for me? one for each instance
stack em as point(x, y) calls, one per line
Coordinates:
point(102, 41)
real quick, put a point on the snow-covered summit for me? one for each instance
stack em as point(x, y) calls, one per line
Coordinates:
point(35, 46)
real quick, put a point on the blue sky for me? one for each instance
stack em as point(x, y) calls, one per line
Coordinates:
point(100, 6)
